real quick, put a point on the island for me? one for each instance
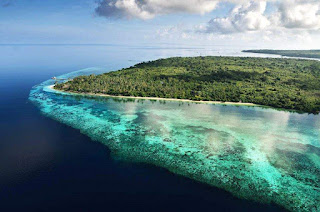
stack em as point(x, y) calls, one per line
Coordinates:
point(288, 53)
point(280, 83)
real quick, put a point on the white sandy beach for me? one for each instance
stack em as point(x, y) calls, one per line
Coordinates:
point(161, 99)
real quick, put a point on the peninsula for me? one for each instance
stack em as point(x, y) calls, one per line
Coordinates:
point(280, 83)
point(288, 53)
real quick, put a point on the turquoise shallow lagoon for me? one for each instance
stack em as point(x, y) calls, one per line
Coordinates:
point(255, 153)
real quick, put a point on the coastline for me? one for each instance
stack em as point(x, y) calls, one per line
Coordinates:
point(161, 99)
point(286, 56)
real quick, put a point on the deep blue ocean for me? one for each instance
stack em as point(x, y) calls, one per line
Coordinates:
point(48, 166)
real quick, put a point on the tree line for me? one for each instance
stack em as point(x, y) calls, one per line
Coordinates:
point(281, 83)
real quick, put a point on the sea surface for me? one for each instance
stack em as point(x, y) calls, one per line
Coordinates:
point(65, 152)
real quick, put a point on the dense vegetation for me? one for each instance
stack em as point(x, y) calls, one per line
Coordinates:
point(280, 83)
point(289, 53)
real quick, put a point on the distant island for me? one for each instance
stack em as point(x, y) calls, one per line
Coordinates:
point(288, 53)
point(280, 83)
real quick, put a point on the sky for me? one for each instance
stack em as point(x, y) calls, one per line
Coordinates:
point(279, 24)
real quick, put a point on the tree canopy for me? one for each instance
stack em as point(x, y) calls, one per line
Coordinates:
point(280, 83)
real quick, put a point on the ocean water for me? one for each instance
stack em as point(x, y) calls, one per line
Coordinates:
point(81, 153)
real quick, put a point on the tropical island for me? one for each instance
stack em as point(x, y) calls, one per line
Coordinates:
point(281, 83)
point(288, 53)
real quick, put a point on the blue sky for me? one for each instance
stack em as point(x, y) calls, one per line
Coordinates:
point(74, 21)
point(265, 23)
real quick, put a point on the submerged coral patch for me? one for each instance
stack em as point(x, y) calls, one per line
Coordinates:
point(255, 153)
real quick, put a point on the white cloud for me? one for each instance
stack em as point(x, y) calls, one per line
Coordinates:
point(267, 21)
point(251, 16)
point(148, 9)
point(245, 17)
point(303, 14)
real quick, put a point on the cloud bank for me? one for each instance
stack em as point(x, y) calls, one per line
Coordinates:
point(252, 16)
point(148, 9)
point(246, 15)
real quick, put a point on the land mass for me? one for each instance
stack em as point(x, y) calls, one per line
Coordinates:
point(280, 83)
point(288, 53)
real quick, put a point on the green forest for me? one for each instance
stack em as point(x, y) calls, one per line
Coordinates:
point(280, 83)
point(289, 53)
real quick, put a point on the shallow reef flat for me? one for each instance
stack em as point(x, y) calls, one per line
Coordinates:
point(255, 153)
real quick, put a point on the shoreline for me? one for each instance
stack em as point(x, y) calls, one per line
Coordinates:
point(283, 56)
point(161, 99)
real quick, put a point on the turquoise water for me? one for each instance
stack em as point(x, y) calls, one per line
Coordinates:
point(255, 153)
